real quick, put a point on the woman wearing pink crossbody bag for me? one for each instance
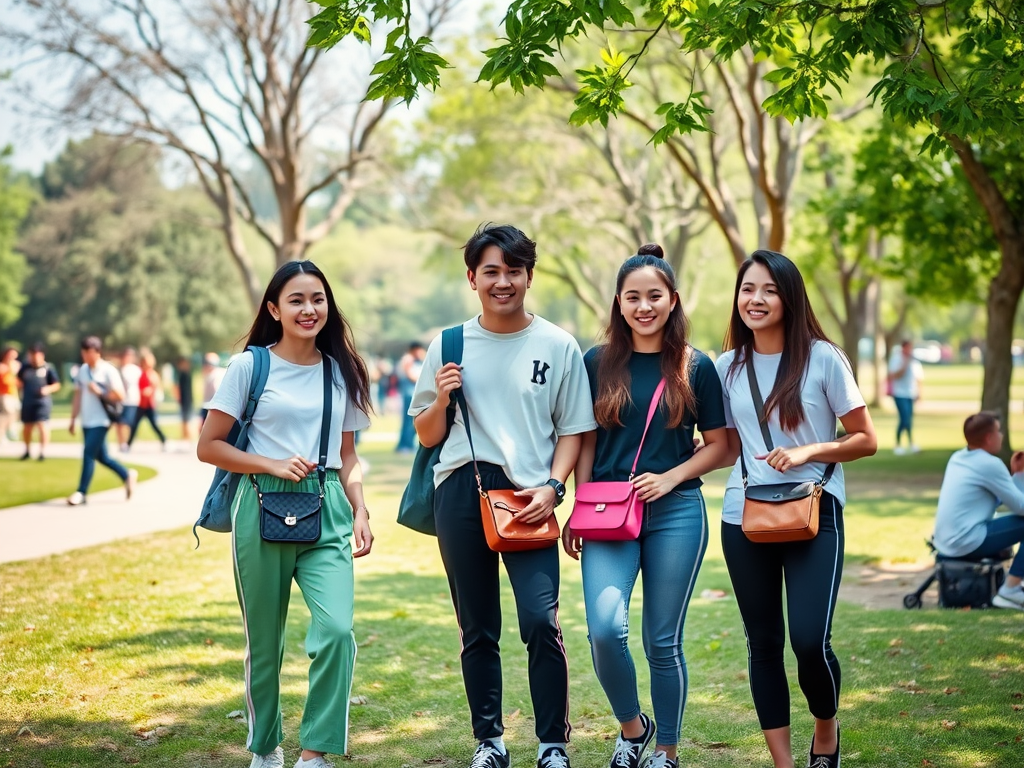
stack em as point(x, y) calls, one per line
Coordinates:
point(647, 344)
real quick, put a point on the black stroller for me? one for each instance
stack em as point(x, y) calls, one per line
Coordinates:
point(963, 583)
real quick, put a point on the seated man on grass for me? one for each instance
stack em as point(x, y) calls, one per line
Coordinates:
point(975, 483)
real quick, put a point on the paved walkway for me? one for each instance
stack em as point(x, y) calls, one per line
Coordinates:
point(170, 500)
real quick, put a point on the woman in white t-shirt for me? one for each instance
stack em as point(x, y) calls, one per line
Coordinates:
point(300, 322)
point(806, 383)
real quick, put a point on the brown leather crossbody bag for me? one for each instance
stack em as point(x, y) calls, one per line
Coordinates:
point(779, 512)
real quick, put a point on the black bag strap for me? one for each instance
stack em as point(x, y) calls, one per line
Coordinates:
point(762, 419)
point(325, 427)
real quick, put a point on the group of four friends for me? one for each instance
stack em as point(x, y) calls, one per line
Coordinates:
point(541, 411)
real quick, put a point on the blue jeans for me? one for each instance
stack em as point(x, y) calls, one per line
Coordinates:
point(669, 551)
point(1003, 532)
point(905, 411)
point(96, 450)
point(407, 434)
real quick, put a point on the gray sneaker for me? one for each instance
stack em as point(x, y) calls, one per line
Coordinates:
point(629, 752)
point(1009, 597)
point(273, 760)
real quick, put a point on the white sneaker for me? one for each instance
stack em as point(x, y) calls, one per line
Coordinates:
point(1009, 597)
point(317, 762)
point(76, 498)
point(273, 760)
point(914, 448)
point(899, 450)
point(660, 760)
point(129, 484)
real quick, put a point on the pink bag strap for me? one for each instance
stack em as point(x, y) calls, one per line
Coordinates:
point(655, 400)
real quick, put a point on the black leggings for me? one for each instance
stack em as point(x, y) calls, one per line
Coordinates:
point(812, 570)
point(472, 570)
point(150, 414)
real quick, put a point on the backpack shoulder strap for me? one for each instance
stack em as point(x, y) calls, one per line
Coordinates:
point(451, 345)
point(260, 373)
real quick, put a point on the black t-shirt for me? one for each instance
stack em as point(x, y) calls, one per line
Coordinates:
point(664, 448)
point(184, 382)
point(34, 379)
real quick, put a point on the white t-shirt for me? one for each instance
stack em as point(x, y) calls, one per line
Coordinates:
point(907, 384)
point(828, 391)
point(91, 411)
point(975, 484)
point(288, 416)
point(524, 391)
point(130, 375)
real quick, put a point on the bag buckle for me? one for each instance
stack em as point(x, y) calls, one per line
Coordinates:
point(290, 520)
point(599, 508)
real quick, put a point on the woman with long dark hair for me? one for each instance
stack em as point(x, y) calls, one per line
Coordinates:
point(646, 341)
point(300, 322)
point(808, 384)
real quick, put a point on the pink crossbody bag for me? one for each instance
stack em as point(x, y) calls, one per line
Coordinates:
point(612, 511)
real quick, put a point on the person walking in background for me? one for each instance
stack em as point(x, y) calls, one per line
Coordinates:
point(10, 404)
point(184, 395)
point(213, 375)
point(808, 382)
point(526, 387)
point(130, 376)
point(300, 322)
point(408, 370)
point(905, 375)
point(38, 381)
point(646, 346)
point(96, 379)
point(150, 395)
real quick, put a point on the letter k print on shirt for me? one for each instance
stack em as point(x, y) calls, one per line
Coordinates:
point(540, 375)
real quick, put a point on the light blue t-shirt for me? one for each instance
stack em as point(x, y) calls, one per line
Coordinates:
point(974, 485)
point(828, 391)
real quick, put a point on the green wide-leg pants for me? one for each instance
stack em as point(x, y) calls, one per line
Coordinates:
point(263, 578)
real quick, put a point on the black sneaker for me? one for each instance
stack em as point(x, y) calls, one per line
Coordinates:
point(630, 752)
point(553, 757)
point(824, 761)
point(26, 457)
point(488, 756)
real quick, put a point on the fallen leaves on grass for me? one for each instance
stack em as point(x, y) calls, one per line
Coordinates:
point(951, 691)
point(160, 732)
point(25, 732)
point(237, 715)
point(358, 701)
point(949, 725)
point(910, 686)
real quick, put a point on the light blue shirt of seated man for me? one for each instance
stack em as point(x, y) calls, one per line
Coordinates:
point(975, 484)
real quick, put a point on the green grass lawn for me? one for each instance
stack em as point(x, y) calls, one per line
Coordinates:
point(132, 652)
point(27, 482)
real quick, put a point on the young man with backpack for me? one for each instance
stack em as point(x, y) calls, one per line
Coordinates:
point(529, 403)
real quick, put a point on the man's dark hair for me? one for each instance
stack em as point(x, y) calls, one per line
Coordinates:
point(38, 347)
point(414, 345)
point(92, 342)
point(517, 249)
point(976, 427)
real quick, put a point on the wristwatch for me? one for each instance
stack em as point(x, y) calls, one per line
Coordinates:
point(559, 487)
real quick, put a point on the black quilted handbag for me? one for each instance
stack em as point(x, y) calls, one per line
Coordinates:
point(289, 517)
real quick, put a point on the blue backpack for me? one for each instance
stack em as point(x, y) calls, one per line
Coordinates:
point(416, 510)
point(216, 512)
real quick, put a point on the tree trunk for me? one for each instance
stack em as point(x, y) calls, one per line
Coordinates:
point(1004, 291)
point(1003, 298)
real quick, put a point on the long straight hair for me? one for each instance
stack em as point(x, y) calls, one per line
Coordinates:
point(334, 339)
point(801, 329)
point(613, 367)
